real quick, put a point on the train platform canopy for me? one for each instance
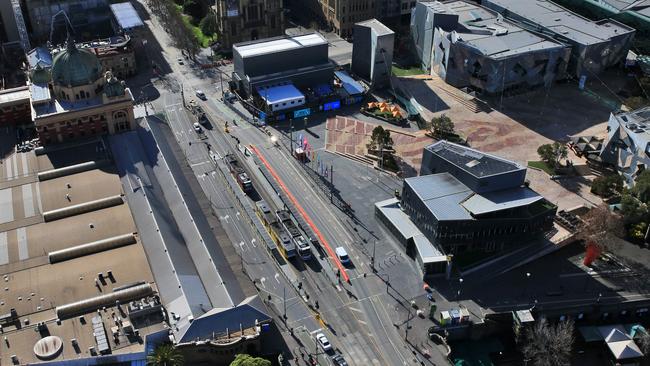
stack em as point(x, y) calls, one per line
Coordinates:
point(280, 94)
point(126, 16)
point(350, 85)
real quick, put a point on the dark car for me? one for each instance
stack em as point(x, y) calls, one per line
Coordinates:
point(338, 360)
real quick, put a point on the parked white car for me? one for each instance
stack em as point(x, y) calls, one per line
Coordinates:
point(323, 341)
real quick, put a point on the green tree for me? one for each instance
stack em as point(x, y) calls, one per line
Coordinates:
point(637, 231)
point(380, 139)
point(165, 355)
point(606, 185)
point(551, 154)
point(548, 345)
point(248, 360)
point(641, 189)
point(195, 8)
point(632, 209)
point(441, 126)
point(209, 25)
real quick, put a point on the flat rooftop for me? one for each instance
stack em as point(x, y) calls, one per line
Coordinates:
point(280, 93)
point(378, 26)
point(563, 22)
point(493, 35)
point(637, 124)
point(13, 96)
point(34, 287)
point(57, 106)
point(273, 45)
point(442, 194)
point(476, 163)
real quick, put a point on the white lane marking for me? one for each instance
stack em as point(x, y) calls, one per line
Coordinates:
point(4, 249)
point(6, 205)
point(241, 246)
point(253, 243)
point(262, 280)
point(10, 173)
point(38, 196)
point(23, 157)
point(28, 200)
point(277, 276)
point(23, 251)
point(355, 309)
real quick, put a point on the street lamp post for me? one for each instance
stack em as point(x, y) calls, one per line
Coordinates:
point(291, 135)
point(372, 259)
point(460, 285)
point(527, 283)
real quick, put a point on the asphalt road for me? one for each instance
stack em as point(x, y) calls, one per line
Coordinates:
point(356, 319)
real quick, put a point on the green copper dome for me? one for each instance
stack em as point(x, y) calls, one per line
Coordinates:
point(75, 67)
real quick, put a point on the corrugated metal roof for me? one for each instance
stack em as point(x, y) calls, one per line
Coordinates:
point(435, 185)
point(500, 200)
point(465, 158)
point(441, 194)
point(449, 208)
point(126, 15)
point(428, 251)
point(562, 21)
point(281, 93)
point(349, 84)
point(277, 45)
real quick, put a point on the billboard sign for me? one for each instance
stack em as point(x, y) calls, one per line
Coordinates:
point(332, 105)
point(301, 113)
point(232, 8)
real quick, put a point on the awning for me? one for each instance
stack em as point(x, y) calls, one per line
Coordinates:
point(349, 84)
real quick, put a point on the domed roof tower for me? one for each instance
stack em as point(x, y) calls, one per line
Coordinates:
point(75, 67)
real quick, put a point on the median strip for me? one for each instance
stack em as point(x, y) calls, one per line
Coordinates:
point(302, 213)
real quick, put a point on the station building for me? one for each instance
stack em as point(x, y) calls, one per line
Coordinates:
point(74, 98)
point(465, 201)
point(471, 46)
point(290, 77)
point(595, 45)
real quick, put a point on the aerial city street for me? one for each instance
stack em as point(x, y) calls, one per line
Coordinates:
point(317, 182)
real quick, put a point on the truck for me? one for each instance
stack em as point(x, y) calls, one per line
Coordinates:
point(239, 173)
point(284, 218)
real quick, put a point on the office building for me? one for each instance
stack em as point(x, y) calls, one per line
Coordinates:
point(627, 146)
point(300, 60)
point(248, 20)
point(372, 52)
point(466, 201)
point(633, 13)
point(595, 45)
point(290, 77)
point(80, 14)
point(471, 46)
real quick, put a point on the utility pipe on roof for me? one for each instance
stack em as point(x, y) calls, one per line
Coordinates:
point(91, 248)
point(82, 208)
point(97, 302)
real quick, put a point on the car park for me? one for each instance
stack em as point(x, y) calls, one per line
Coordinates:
point(323, 342)
point(342, 255)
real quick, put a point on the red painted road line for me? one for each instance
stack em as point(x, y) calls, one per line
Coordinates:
point(303, 213)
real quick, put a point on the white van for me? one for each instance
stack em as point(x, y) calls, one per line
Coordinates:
point(342, 255)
